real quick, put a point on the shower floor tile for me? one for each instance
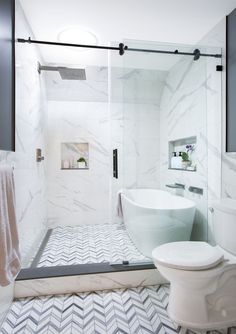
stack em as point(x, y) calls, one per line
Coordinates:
point(89, 244)
point(126, 311)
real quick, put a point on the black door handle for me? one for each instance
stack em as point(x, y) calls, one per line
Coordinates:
point(115, 163)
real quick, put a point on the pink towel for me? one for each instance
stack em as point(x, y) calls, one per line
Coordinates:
point(9, 242)
point(119, 204)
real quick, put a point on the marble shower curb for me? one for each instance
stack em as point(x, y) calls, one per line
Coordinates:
point(86, 283)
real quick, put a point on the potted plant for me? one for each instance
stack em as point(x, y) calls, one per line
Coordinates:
point(82, 163)
point(185, 160)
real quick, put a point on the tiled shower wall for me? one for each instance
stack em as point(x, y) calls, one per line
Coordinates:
point(127, 122)
point(217, 37)
point(141, 138)
point(30, 116)
point(184, 114)
point(29, 175)
point(191, 106)
point(78, 196)
point(215, 117)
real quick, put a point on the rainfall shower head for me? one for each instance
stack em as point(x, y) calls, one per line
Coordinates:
point(72, 73)
point(66, 73)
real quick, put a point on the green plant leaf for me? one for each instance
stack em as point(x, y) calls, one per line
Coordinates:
point(185, 156)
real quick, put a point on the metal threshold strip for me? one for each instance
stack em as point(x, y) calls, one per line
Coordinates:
point(80, 269)
point(121, 48)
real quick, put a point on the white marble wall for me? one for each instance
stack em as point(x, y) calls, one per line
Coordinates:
point(141, 146)
point(217, 37)
point(190, 104)
point(30, 116)
point(29, 175)
point(78, 196)
point(134, 109)
point(141, 135)
point(117, 128)
point(187, 109)
point(222, 165)
point(135, 133)
point(104, 84)
point(90, 197)
point(183, 114)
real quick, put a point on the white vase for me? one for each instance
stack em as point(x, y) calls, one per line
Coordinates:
point(82, 165)
point(186, 164)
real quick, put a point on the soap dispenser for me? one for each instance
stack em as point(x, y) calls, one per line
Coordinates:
point(173, 160)
point(179, 161)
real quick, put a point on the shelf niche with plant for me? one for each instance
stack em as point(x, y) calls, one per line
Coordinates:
point(183, 153)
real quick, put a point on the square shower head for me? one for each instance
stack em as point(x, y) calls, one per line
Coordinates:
point(72, 73)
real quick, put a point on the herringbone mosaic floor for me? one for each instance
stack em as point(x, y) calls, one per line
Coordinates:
point(139, 310)
point(89, 244)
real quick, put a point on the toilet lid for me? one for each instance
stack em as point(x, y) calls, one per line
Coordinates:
point(187, 255)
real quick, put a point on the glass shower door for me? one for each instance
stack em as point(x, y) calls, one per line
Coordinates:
point(160, 104)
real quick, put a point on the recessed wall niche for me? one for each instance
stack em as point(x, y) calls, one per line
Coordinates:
point(74, 156)
point(183, 154)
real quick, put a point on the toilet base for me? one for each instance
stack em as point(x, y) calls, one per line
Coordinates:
point(203, 300)
point(207, 326)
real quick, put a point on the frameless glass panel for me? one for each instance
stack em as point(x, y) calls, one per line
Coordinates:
point(164, 151)
point(68, 212)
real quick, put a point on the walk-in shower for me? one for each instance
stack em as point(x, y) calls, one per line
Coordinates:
point(142, 107)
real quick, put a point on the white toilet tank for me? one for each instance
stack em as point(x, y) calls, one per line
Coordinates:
point(224, 224)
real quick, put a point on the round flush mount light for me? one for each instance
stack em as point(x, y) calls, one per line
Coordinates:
point(77, 35)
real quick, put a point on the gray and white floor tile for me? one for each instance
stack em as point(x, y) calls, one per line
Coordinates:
point(89, 244)
point(128, 311)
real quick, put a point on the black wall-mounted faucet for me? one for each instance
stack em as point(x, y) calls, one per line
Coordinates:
point(196, 190)
point(176, 186)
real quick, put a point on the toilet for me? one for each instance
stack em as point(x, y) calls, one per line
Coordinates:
point(203, 277)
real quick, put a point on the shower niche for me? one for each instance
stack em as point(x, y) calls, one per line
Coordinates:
point(74, 156)
point(183, 154)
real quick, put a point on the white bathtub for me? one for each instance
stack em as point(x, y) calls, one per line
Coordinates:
point(154, 217)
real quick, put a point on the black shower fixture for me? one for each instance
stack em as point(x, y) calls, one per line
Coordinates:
point(66, 73)
point(197, 54)
point(122, 48)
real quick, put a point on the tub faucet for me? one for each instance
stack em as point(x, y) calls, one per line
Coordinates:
point(176, 186)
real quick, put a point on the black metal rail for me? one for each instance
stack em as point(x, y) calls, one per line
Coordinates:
point(122, 48)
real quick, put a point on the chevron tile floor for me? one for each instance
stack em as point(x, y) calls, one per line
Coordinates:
point(89, 244)
point(126, 311)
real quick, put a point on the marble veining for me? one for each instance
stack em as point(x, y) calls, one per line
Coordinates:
point(30, 177)
point(89, 282)
point(85, 194)
point(148, 85)
point(188, 107)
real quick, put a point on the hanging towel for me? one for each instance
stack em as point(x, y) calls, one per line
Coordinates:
point(9, 242)
point(119, 204)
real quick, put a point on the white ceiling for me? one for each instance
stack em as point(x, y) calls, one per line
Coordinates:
point(172, 21)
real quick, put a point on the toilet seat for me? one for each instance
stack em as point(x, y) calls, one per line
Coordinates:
point(187, 255)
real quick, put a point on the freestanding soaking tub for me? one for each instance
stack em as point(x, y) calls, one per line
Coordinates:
point(154, 217)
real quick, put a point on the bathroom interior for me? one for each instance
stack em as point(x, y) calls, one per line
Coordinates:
point(120, 150)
